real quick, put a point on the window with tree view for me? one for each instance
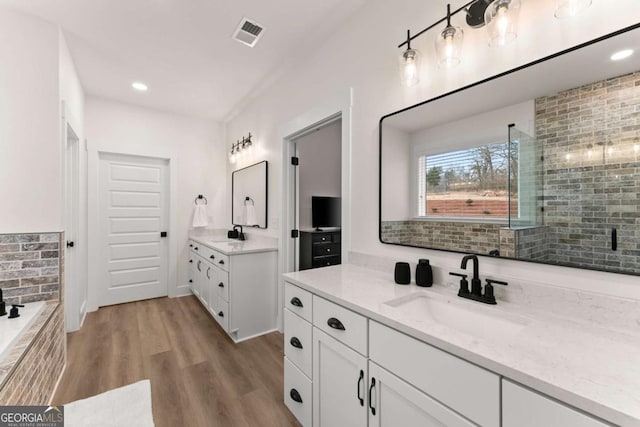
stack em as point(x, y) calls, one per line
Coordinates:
point(469, 183)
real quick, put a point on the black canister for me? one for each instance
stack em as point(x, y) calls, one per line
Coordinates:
point(403, 273)
point(424, 275)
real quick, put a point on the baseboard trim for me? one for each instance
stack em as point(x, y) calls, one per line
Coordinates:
point(256, 335)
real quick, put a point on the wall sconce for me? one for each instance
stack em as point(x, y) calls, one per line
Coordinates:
point(240, 147)
point(570, 8)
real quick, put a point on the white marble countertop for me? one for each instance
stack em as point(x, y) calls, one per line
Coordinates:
point(588, 366)
point(236, 247)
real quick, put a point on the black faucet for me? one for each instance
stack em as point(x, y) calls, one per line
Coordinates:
point(241, 234)
point(476, 284)
point(3, 307)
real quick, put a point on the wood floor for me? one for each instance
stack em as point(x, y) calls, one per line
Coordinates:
point(199, 377)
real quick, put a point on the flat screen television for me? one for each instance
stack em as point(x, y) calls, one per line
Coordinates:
point(325, 212)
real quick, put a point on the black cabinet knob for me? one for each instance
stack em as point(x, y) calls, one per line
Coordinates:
point(296, 343)
point(295, 395)
point(221, 262)
point(191, 261)
point(221, 285)
point(335, 324)
point(190, 246)
point(190, 281)
point(212, 257)
point(196, 248)
point(221, 314)
point(296, 301)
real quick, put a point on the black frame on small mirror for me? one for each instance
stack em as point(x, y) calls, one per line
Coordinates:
point(266, 194)
point(457, 91)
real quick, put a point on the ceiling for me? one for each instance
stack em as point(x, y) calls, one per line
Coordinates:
point(182, 49)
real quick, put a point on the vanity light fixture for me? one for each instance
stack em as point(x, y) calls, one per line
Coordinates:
point(622, 54)
point(410, 64)
point(571, 8)
point(449, 44)
point(139, 86)
point(501, 19)
point(240, 147)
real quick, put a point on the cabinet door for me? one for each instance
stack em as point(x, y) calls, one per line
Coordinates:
point(339, 383)
point(394, 402)
point(192, 273)
point(525, 408)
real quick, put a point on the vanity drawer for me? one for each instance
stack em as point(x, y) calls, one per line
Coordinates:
point(297, 393)
point(323, 238)
point(220, 260)
point(298, 301)
point(326, 261)
point(341, 323)
point(460, 385)
point(298, 342)
point(326, 249)
point(222, 284)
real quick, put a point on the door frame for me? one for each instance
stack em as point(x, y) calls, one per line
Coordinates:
point(93, 291)
point(340, 107)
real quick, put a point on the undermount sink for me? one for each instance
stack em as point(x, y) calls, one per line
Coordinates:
point(468, 318)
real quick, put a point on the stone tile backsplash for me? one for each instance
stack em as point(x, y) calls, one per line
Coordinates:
point(30, 267)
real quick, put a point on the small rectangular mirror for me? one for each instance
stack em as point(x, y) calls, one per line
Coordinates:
point(249, 195)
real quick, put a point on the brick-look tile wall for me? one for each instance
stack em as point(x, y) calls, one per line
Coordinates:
point(585, 196)
point(33, 380)
point(30, 267)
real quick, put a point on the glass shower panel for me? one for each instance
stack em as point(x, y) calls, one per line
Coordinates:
point(525, 180)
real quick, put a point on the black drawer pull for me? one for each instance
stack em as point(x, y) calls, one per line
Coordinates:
point(296, 343)
point(373, 384)
point(208, 269)
point(221, 285)
point(221, 314)
point(360, 380)
point(296, 301)
point(191, 260)
point(221, 262)
point(190, 246)
point(196, 248)
point(190, 281)
point(212, 257)
point(335, 324)
point(295, 395)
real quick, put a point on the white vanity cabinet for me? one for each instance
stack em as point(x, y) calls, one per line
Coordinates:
point(238, 289)
point(525, 408)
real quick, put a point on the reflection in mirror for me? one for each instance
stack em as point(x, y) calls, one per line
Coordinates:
point(540, 164)
point(249, 196)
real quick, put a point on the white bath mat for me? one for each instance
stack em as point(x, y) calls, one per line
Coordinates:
point(125, 406)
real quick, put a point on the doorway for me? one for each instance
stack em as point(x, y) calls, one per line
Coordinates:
point(73, 295)
point(133, 212)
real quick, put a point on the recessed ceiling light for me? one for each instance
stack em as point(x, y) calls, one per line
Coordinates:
point(139, 86)
point(623, 54)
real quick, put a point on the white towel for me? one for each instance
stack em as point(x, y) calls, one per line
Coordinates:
point(250, 215)
point(200, 218)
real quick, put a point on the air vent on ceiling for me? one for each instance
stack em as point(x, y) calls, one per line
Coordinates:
point(248, 32)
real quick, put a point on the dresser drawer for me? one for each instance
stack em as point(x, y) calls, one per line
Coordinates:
point(326, 249)
point(325, 261)
point(460, 385)
point(298, 301)
point(322, 238)
point(297, 393)
point(218, 259)
point(344, 325)
point(298, 342)
point(221, 284)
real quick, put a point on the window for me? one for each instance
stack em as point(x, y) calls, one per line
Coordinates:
point(469, 183)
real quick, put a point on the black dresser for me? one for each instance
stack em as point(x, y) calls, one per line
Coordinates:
point(319, 249)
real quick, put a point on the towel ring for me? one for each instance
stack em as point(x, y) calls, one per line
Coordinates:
point(249, 199)
point(200, 197)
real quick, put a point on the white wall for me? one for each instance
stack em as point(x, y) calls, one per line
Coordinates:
point(398, 172)
point(30, 149)
point(363, 55)
point(73, 98)
point(195, 143)
point(320, 168)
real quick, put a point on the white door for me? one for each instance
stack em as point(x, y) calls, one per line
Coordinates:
point(396, 403)
point(74, 294)
point(133, 209)
point(339, 383)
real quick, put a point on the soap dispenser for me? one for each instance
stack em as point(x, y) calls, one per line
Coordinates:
point(424, 274)
point(3, 306)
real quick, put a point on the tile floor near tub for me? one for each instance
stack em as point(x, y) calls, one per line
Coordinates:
point(199, 377)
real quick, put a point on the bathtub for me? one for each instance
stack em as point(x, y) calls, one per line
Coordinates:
point(11, 330)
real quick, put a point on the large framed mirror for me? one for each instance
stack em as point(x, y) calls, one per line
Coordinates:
point(249, 195)
point(540, 163)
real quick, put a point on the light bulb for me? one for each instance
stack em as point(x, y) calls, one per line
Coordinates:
point(449, 46)
point(501, 18)
point(410, 67)
point(570, 8)
point(232, 158)
point(636, 148)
